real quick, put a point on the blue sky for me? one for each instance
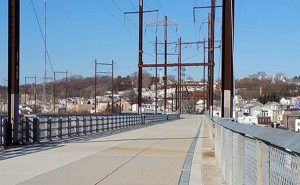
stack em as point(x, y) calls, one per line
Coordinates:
point(267, 36)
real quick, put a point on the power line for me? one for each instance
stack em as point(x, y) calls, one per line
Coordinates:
point(42, 34)
point(132, 4)
point(118, 7)
point(239, 11)
point(161, 5)
point(115, 17)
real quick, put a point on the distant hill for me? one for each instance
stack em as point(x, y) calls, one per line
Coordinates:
point(250, 88)
point(79, 86)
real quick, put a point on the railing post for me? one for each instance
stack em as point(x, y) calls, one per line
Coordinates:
point(107, 123)
point(266, 164)
point(36, 130)
point(5, 133)
point(102, 125)
point(298, 165)
point(27, 130)
point(114, 122)
point(259, 165)
point(49, 128)
point(123, 121)
point(77, 126)
point(142, 117)
point(129, 122)
point(60, 127)
point(1, 132)
point(91, 125)
point(84, 125)
point(97, 124)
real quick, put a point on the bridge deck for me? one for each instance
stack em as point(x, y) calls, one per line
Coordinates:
point(151, 155)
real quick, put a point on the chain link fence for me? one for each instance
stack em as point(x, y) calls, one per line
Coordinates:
point(254, 155)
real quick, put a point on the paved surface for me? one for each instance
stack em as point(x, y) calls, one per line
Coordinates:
point(152, 155)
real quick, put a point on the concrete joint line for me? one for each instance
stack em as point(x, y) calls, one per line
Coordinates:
point(185, 173)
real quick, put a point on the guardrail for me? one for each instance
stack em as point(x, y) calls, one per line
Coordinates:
point(255, 155)
point(45, 128)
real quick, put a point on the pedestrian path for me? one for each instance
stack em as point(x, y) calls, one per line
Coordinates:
point(155, 155)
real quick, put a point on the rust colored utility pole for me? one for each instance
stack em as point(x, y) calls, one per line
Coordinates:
point(95, 87)
point(112, 86)
point(211, 41)
point(212, 54)
point(156, 75)
point(13, 69)
point(210, 85)
point(140, 63)
point(140, 75)
point(205, 100)
point(97, 71)
point(166, 61)
point(227, 58)
point(179, 75)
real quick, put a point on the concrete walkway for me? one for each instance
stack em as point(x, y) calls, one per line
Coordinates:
point(152, 155)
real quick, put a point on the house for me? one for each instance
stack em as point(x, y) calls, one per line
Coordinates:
point(248, 119)
point(289, 118)
point(238, 99)
point(251, 107)
point(275, 111)
point(261, 120)
point(146, 108)
point(285, 102)
point(297, 125)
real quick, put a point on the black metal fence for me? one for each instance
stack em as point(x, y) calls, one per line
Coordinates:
point(2, 135)
point(43, 128)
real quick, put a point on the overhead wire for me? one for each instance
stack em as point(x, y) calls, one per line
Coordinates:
point(239, 11)
point(132, 4)
point(42, 35)
point(161, 5)
point(118, 7)
point(115, 17)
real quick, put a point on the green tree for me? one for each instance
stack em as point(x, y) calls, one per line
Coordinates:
point(273, 97)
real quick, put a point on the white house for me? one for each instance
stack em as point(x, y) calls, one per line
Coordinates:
point(275, 111)
point(248, 119)
point(285, 102)
point(297, 125)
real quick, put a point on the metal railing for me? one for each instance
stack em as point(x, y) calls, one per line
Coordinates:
point(43, 128)
point(2, 133)
point(254, 155)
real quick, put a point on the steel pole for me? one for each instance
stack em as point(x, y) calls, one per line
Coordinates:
point(227, 58)
point(140, 75)
point(166, 61)
point(66, 90)
point(54, 79)
point(212, 53)
point(25, 91)
point(95, 85)
point(112, 86)
point(35, 96)
point(13, 67)
point(180, 75)
point(205, 106)
point(156, 75)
